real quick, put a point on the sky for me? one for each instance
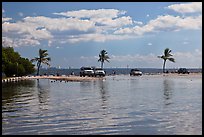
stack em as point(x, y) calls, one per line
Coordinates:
point(134, 34)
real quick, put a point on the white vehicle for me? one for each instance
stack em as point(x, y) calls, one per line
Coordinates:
point(99, 72)
point(135, 72)
point(86, 71)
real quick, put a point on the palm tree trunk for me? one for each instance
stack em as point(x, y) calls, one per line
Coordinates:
point(164, 66)
point(102, 64)
point(38, 68)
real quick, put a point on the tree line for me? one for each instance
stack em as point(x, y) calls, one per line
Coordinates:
point(14, 64)
point(103, 56)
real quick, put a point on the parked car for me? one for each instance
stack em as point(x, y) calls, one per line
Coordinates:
point(86, 71)
point(183, 71)
point(135, 72)
point(99, 72)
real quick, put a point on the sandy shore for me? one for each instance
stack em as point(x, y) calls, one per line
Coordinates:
point(65, 78)
point(78, 78)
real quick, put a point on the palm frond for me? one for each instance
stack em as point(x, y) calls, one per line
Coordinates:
point(48, 58)
point(42, 59)
point(46, 63)
point(35, 59)
point(166, 56)
point(103, 56)
point(107, 60)
point(171, 59)
point(166, 51)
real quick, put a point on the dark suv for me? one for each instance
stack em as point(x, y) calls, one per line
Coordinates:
point(183, 71)
point(86, 71)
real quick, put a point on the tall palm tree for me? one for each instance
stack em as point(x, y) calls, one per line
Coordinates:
point(41, 59)
point(103, 57)
point(166, 56)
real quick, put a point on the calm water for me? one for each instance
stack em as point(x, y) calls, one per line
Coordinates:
point(117, 105)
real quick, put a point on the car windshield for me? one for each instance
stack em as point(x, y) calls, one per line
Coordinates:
point(98, 69)
point(183, 69)
point(86, 68)
point(134, 70)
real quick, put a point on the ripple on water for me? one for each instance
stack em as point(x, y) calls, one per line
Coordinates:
point(117, 105)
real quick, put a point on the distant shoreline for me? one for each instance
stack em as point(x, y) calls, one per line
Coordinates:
point(196, 74)
point(109, 71)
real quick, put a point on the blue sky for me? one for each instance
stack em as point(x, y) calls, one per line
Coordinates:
point(133, 33)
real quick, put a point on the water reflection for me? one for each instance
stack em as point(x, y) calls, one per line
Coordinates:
point(103, 92)
point(182, 117)
point(136, 105)
point(168, 90)
point(13, 90)
point(43, 89)
point(86, 85)
point(134, 83)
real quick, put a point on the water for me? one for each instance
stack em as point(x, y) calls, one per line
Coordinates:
point(117, 105)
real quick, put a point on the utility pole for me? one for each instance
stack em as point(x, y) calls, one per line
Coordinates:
point(17, 69)
point(127, 68)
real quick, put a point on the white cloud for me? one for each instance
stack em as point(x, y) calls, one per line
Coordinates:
point(6, 19)
point(20, 14)
point(165, 23)
point(190, 22)
point(26, 28)
point(16, 42)
point(92, 25)
point(169, 22)
point(99, 13)
point(95, 37)
point(118, 22)
point(192, 7)
point(103, 20)
point(49, 43)
point(40, 27)
point(185, 43)
point(7, 42)
point(149, 44)
point(188, 59)
point(89, 58)
point(61, 24)
point(147, 15)
point(138, 22)
point(198, 52)
point(27, 42)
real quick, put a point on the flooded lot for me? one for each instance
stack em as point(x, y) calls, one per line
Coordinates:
point(149, 105)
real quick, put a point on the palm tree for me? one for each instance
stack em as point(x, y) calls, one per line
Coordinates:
point(103, 57)
point(166, 56)
point(41, 59)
